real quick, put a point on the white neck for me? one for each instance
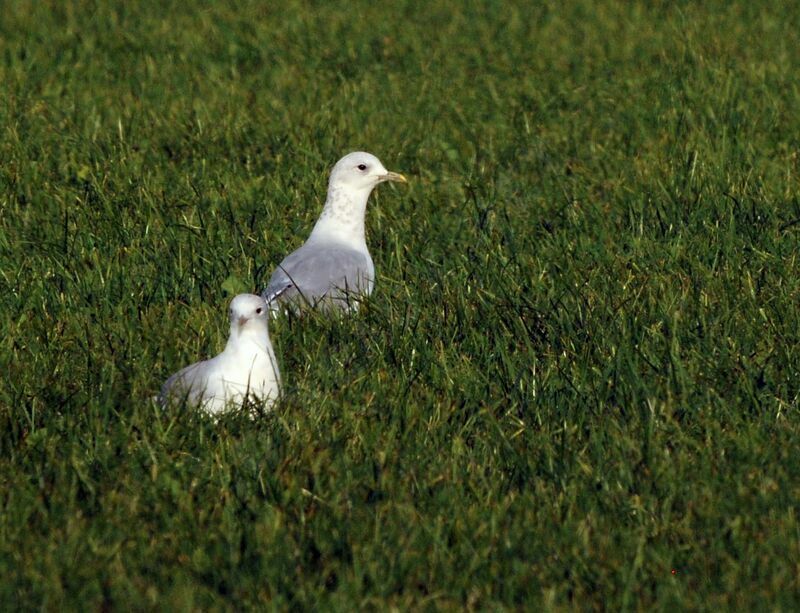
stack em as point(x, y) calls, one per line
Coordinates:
point(254, 337)
point(342, 217)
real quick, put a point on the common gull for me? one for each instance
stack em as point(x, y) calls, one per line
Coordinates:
point(334, 265)
point(245, 369)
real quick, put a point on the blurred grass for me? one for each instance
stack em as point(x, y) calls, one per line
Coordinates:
point(578, 373)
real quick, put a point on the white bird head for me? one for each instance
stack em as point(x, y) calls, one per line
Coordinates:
point(361, 171)
point(248, 313)
point(349, 187)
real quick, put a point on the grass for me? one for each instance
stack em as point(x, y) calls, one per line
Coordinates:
point(575, 387)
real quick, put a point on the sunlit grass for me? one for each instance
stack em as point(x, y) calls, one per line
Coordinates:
point(575, 386)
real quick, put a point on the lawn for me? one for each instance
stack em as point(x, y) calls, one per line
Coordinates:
point(576, 384)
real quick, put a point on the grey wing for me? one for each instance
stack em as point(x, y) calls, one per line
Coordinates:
point(312, 273)
point(184, 385)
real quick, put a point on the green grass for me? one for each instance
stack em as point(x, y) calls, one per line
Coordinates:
point(579, 370)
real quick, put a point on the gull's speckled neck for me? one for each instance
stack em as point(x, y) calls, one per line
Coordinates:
point(342, 217)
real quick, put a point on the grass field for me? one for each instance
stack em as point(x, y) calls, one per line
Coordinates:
point(576, 384)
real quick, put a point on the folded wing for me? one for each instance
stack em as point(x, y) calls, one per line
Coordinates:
point(314, 273)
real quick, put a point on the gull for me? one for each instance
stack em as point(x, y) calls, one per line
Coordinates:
point(245, 369)
point(334, 263)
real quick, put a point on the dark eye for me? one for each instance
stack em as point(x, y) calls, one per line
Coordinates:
point(362, 166)
point(258, 311)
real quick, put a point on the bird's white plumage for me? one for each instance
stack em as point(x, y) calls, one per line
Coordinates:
point(245, 369)
point(334, 264)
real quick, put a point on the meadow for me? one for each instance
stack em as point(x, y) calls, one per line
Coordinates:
point(575, 386)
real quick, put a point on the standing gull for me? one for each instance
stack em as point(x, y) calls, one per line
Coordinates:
point(334, 263)
point(245, 369)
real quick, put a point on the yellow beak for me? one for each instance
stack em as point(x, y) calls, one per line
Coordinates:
point(394, 176)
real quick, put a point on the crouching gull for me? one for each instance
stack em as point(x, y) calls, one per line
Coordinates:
point(245, 369)
point(333, 266)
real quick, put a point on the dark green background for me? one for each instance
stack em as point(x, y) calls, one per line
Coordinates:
point(578, 372)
